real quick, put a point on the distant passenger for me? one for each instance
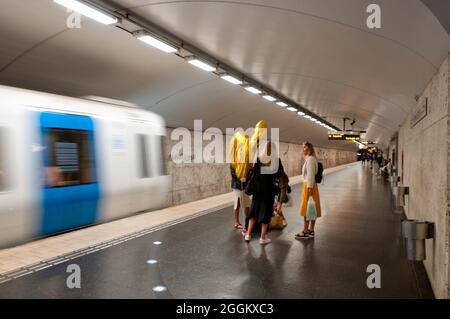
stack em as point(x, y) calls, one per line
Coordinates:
point(263, 186)
point(310, 189)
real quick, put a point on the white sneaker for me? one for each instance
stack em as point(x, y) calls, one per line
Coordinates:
point(264, 241)
point(247, 237)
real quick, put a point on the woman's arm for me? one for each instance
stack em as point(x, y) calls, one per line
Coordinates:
point(311, 171)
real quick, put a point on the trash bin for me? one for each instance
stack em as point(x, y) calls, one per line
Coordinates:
point(415, 232)
point(393, 180)
point(399, 196)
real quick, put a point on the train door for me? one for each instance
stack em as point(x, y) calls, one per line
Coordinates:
point(71, 191)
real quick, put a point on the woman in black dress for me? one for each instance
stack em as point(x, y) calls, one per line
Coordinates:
point(263, 186)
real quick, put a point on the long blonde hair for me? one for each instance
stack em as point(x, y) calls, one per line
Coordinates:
point(311, 150)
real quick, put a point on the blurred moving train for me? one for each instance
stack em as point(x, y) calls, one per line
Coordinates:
point(66, 163)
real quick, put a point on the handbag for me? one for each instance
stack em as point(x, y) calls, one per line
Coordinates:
point(276, 222)
point(311, 212)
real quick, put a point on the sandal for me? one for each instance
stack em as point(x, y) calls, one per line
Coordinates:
point(238, 226)
point(311, 233)
point(302, 235)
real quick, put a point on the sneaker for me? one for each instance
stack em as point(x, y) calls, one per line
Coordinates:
point(264, 241)
point(244, 232)
point(302, 235)
point(247, 237)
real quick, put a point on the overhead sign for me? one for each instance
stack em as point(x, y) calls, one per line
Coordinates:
point(345, 136)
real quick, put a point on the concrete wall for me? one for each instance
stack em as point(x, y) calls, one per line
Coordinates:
point(195, 181)
point(426, 170)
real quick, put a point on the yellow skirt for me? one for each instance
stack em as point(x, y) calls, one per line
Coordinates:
point(304, 203)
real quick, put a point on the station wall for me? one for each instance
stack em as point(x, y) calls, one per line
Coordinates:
point(424, 166)
point(194, 181)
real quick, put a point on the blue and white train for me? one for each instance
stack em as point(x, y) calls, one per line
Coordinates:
point(66, 163)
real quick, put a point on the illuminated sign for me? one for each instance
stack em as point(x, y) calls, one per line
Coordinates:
point(344, 136)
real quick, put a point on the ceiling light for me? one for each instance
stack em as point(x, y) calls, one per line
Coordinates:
point(87, 11)
point(282, 104)
point(253, 90)
point(300, 113)
point(292, 109)
point(307, 116)
point(231, 79)
point(202, 65)
point(156, 43)
point(269, 98)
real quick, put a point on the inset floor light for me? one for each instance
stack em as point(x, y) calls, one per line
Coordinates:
point(87, 11)
point(231, 79)
point(282, 104)
point(159, 288)
point(300, 113)
point(307, 116)
point(292, 109)
point(202, 65)
point(152, 261)
point(269, 98)
point(157, 242)
point(253, 90)
point(156, 43)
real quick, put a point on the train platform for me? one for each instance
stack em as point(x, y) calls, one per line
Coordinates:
point(192, 251)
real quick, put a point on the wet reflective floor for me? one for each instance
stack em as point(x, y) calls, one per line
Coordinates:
point(207, 258)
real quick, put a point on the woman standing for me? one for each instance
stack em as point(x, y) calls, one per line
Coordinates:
point(309, 171)
point(263, 186)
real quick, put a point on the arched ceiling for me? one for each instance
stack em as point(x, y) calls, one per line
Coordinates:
point(318, 53)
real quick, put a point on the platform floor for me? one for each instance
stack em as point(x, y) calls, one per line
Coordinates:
point(206, 258)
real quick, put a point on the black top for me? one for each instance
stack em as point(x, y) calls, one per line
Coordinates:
point(235, 182)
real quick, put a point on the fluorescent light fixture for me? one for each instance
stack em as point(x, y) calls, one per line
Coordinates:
point(156, 43)
point(231, 79)
point(307, 116)
point(253, 90)
point(282, 104)
point(202, 65)
point(300, 113)
point(292, 109)
point(157, 242)
point(152, 261)
point(87, 11)
point(269, 98)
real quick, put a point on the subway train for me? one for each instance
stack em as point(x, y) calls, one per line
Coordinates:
point(67, 163)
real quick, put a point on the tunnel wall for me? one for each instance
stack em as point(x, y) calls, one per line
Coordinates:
point(195, 181)
point(426, 170)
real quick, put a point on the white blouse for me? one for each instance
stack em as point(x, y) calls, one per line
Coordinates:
point(309, 171)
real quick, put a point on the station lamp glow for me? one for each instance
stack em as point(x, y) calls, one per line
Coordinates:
point(201, 65)
point(307, 116)
point(269, 98)
point(87, 11)
point(148, 39)
point(300, 113)
point(292, 109)
point(282, 104)
point(253, 90)
point(231, 79)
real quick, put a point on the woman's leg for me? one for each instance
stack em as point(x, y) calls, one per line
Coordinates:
point(251, 223)
point(264, 230)
point(313, 223)
point(236, 213)
point(306, 224)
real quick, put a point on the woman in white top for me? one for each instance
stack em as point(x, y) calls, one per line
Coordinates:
point(309, 171)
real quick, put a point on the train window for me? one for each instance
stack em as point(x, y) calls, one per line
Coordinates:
point(69, 160)
point(142, 144)
point(158, 155)
point(2, 160)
